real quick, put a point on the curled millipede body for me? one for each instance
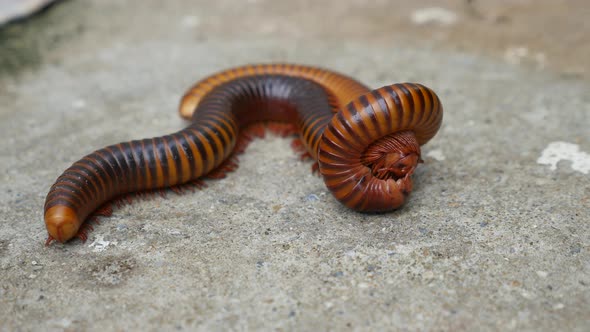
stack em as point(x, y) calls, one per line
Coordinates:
point(366, 143)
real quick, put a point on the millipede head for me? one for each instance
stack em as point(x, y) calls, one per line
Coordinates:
point(371, 147)
point(394, 156)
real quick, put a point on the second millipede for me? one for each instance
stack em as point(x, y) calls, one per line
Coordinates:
point(366, 143)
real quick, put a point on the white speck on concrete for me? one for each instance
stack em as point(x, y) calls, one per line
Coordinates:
point(516, 54)
point(428, 275)
point(540, 59)
point(62, 323)
point(174, 232)
point(351, 253)
point(542, 274)
point(99, 244)
point(558, 151)
point(521, 54)
point(79, 103)
point(436, 154)
point(312, 198)
point(434, 15)
point(190, 21)
point(559, 306)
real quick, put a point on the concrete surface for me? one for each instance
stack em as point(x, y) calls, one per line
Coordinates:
point(493, 238)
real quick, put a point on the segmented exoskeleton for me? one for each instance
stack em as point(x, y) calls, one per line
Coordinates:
point(366, 143)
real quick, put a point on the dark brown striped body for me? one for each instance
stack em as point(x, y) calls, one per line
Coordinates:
point(342, 88)
point(362, 156)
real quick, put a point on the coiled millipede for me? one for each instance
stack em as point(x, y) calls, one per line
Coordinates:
point(366, 142)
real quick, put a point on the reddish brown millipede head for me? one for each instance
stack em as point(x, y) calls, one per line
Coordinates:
point(395, 156)
point(370, 148)
point(366, 143)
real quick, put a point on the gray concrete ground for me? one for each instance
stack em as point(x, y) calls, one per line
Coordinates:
point(493, 238)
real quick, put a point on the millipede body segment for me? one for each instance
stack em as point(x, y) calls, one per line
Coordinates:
point(366, 142)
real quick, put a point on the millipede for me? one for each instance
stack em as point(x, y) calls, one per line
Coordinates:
point(364, 143)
